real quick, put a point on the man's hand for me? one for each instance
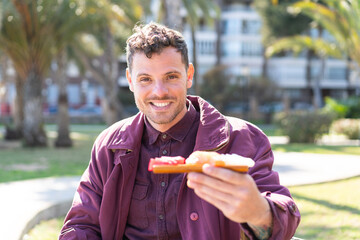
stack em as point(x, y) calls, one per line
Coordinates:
point(236, 195)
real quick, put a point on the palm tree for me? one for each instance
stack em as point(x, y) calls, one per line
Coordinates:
point(169, 14)
point(25, 39)
point(68, 23)
point(198, 10)
point(112, 24)
point(340, 18)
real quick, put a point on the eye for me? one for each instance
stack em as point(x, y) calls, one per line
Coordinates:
point(172, 77)
point(144, 79)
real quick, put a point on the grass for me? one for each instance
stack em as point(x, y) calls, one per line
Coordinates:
point(19, 163)
point(46, 230)
point(313, 148)
point(329, 211)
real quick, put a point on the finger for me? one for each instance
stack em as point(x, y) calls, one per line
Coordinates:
point(225, 175)
point(227, 193)
point(198, 180)
point(219, 181)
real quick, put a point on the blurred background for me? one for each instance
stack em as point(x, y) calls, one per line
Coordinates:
point(291, 67)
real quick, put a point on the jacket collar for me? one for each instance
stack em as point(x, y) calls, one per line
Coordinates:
point(214, 129)
point(213, 132)
point(128, 134)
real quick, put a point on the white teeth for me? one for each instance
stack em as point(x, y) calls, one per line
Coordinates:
point(161, 104)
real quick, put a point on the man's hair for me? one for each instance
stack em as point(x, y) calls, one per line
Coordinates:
point(153, 38)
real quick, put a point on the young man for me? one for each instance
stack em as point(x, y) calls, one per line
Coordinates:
point(118, 198)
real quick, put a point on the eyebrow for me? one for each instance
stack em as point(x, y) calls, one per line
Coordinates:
point(173, 72)
point(148, 75)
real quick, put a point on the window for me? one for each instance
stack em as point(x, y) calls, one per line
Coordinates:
point(206, 47)
point(251, 49)
point(250, 27)
point(231, 26)
point(336, 73)
point(231, 49)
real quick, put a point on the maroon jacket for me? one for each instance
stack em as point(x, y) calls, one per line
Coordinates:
point(102, 200)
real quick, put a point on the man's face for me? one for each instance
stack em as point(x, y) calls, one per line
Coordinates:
point(160, 85)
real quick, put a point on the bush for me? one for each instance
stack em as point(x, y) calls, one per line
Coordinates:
point(346, 108)
point(348, 127)
point(304, 126)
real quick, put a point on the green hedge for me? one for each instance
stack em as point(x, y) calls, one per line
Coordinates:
point(304, 126)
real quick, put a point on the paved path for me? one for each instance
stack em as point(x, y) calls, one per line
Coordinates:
point(25, 203)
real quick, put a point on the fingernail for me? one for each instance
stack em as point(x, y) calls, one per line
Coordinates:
point(207, 168)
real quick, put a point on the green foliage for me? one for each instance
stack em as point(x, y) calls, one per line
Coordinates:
point(331, 105)
point(340, 18)
point(223, 89)
point(265, 90)
point(348, 127)
point(304, 126)
point(346, 108)
point(276, 20)
point(217, 87)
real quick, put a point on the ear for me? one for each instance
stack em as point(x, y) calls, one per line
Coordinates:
point(190, 75)
point(128, 77)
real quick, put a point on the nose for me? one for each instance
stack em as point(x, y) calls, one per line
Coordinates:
point(160, 89)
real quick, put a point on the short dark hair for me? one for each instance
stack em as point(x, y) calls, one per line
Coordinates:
point(153, 38)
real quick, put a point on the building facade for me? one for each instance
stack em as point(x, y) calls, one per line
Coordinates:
point(242, 52)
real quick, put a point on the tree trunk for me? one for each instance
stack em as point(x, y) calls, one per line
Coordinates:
point(34, 134)
point(112, 107)
point(318, 79)
point(194, 56)
point(18, 113)
point(172, 15)
point(218, 28)
point(317, 86)
point(264, 67)
point(347, 76)
point(309, 57)
point(63, 121)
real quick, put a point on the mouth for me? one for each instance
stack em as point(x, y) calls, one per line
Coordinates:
point(160, 105)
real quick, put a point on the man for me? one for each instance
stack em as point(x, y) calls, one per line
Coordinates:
point(118, 198)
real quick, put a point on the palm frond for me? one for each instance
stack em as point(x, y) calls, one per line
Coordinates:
point(299, 43)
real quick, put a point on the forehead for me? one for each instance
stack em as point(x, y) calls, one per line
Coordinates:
point(168, 59)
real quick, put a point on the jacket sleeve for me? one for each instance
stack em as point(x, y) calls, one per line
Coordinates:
point(82, 220)
point(286, 216)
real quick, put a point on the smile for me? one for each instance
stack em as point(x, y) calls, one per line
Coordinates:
point(160, 104)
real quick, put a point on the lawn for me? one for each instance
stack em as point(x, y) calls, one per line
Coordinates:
point(19, 163)
point(329, 211)
point(313, 148)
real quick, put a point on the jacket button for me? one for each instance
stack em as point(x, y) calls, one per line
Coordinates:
point(194, 216)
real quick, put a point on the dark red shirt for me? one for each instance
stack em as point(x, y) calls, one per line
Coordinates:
point(152, 212)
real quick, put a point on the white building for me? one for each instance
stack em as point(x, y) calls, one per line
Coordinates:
point(242, 51)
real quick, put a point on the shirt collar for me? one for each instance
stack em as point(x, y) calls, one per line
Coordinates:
point(178, 131)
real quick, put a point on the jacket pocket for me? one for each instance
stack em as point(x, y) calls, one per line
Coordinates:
point(137, 213)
